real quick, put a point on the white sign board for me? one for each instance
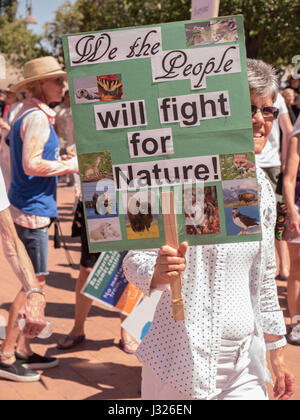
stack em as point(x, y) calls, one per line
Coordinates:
point(204, 9)
point(2, 67)
point(140, 319)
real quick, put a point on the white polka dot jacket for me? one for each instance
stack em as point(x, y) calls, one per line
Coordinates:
point(185, 354)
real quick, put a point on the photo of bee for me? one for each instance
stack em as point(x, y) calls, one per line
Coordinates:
point(201, 211)
point(141, 218)
point(110, 87)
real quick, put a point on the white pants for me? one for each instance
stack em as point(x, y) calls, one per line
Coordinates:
point(236, 377)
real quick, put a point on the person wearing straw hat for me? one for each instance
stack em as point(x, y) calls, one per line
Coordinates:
point(35, 165)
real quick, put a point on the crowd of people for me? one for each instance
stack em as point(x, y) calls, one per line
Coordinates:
point(200, 357)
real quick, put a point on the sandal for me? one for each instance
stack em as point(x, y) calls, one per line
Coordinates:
point(70, 341)
point(128, 346)
point(281, 278)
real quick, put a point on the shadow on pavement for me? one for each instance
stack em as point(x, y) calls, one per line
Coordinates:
point(112, 380)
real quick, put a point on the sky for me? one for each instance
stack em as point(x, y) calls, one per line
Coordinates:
point(42, 10)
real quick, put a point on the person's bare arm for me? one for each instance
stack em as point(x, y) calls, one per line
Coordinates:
point(19, 260)
point(289, 182)
point(15, 252)
point(286, 128)
point(35, 134)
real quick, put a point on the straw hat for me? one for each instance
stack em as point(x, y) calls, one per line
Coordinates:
point(39, 69)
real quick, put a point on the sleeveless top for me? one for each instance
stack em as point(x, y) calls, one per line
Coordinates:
point(32, 194)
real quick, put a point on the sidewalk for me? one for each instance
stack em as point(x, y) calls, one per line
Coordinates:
point(98, 369)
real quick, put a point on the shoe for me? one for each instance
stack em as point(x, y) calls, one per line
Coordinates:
point(36, 362)
point(281, 278)
point(294, 336)
point(70, 341)
point(128, 346)
point(18, 373)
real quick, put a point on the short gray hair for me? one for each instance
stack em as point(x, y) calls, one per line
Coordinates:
point(262, 79)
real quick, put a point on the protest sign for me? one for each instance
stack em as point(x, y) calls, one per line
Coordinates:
point(107, 284)
point(138, 323)
point(2, 67)
point(164, 108)
point(204, 9)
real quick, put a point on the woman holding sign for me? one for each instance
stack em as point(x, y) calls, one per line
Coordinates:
point(230, 298)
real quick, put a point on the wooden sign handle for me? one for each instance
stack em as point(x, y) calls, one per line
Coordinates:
point(170, 227)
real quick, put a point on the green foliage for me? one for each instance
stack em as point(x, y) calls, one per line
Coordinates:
point(97, 15)
point(271, 26)
point(9, 8)
point(16, 42)
point(68, 19)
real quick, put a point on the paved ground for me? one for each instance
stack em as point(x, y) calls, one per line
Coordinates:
point(98, 369)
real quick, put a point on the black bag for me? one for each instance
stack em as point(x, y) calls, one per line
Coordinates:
point(56, 238)
point(281, 221)
point(77, 221)
point(279, 186)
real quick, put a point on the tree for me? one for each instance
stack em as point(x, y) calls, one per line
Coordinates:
point(8, 8)
point(96, 15)
point(271, 26)
point(16, 42)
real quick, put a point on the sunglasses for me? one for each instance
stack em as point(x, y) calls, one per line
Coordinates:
point(268, 112)
point(60, 81)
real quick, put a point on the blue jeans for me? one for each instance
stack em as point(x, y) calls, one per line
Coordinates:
point(36, 244)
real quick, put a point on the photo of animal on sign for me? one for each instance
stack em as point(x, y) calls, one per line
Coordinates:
point(95, 166)
point(158, 108)
point(99, 197)
point(212, 32)
point(142, 215)
point(238, 166)
point(242, 220)
point(201, 211)
point(101, 88)
point(240, 193)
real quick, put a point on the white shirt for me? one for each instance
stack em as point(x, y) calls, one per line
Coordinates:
point(4, 203)
point(240, 321)
point(185, 354)
point(270, 156)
